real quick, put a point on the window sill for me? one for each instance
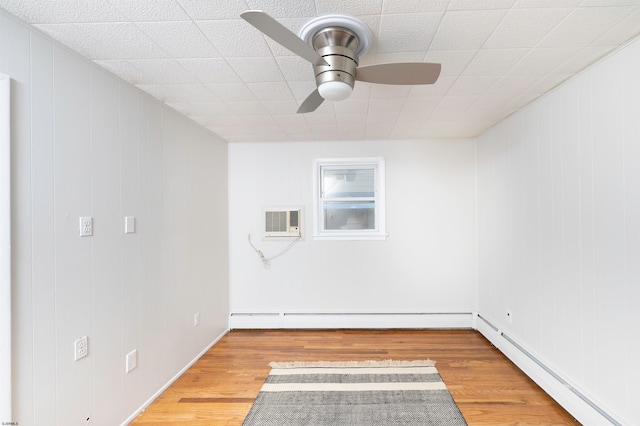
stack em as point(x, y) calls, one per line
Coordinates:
point(351, 237)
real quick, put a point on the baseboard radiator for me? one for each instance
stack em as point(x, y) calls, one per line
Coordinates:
point(328, 320)
point(575, 402)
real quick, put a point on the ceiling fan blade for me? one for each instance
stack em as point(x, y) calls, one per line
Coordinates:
point(282, 35)
point(399, 73)
point(313, 101)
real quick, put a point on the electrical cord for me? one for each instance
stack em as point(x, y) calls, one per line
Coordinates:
point(266, 261)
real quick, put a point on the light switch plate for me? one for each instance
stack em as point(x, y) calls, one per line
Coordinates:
point(129, 224)
point(132, 360)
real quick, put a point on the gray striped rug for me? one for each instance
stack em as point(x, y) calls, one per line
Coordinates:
point(385, 393)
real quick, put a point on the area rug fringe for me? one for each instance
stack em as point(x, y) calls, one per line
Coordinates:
point(352, 364)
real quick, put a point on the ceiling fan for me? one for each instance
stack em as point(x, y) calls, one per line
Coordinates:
point(333, 44)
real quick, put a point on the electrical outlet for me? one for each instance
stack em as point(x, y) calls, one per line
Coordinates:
point(509, 316)
point(81, 348)
point(196, 319)
point(86, 226)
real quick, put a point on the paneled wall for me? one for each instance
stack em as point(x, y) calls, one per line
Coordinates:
point(87, 144)
point(559, 231)
point(427, 264)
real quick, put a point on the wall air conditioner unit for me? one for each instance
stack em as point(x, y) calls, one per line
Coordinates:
point(282, 223)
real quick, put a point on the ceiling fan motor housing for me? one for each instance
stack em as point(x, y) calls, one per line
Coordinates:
point(337, 46)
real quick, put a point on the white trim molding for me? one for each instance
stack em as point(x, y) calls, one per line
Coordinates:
point(360, 320)
point(5, 247)
point(583, 408)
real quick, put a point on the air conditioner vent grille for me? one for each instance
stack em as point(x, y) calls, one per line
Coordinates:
point(282, 223)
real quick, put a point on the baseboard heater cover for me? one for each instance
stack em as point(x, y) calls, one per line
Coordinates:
point(579, 405)
point(311, 320)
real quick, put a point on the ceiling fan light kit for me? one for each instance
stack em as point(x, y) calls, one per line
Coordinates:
point(333, 44)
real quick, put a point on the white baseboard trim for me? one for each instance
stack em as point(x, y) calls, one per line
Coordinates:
point(173, 379)
point(316, 320)
point(585, 410)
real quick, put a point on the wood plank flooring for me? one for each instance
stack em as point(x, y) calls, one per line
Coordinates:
point(220, 388)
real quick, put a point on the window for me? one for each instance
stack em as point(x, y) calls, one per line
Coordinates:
point(349, 197)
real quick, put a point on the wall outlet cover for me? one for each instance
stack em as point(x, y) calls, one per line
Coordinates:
point(81, 348)
point(132, 360)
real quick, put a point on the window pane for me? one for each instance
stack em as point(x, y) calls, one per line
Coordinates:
point(346, 215)
point(341, 183)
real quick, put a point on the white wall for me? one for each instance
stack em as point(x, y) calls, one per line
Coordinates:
point(86, 144)
point(559, 231)
point(428, 263)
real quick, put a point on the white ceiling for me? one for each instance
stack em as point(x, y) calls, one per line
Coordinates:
point(202, 59)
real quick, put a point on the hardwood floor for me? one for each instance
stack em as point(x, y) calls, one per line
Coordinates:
point(220, 388)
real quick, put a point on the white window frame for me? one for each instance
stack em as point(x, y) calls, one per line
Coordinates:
point(379, 231)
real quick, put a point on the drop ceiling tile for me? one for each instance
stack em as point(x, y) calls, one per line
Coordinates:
point(361, 90)
point(391, 105)
point(320, 119)
point(291, 121)
point(243, 86)
point(227, 120)
point(301, 89)
point(272, 91)
point(353, 8)
point(181, 39)
point(471, 85)
point(231, 91)
point(221, 9)
point(246, 108)
point(541, 61)
point(294, 68)
point(453, 61)
point(144, 11)
point(215, 108)
point(352, 105)
point(105, 40)
point(234, 38)
point(530, 4)
point(494, 61)
point(389, 91)
point(584, 25)
point(466, 29)
point(511, 85)
point(606, 3)
point(377, 132)
point(265, 121)
point(178, 92)
point(256, 69)
point(281, 107)
point(439, 88)
point(581, 59)
point(282, 9)
point(451, 107)
point(624, 30)
point(547, 82)
point(407, 32)
point(210, 70)
point(59, 12)
point(161, 71)
point(480, 4)
point(525, 27)
point(390, 7)
point(416, 109)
